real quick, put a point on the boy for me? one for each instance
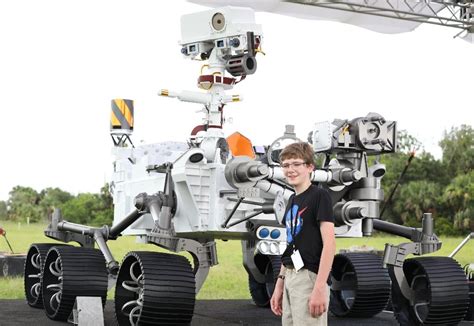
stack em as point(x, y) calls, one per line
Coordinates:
point(301, 294)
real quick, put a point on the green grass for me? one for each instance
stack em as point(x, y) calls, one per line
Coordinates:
point(227, 280)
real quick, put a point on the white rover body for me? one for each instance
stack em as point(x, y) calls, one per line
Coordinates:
point(183, 196)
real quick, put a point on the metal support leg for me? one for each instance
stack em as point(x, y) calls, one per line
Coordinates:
point(86, 236)
point(204, 256)
point(112, 264)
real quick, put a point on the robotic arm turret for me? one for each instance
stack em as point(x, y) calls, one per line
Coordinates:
point(354, 187)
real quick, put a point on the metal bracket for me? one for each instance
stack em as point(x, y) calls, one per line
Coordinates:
point(164, 238)
point(395, 255)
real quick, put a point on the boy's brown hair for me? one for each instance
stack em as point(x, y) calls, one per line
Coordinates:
point(300, 150)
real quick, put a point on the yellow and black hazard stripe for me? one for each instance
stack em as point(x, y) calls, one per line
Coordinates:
point(122, 114)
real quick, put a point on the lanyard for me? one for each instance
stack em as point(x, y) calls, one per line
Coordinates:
point(293, 225)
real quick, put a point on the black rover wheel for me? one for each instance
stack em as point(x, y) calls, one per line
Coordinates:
point(360, 285)
point(70, 272)
point(32, 276)
point(261, 293)
point(440, 292)
point(155, 289)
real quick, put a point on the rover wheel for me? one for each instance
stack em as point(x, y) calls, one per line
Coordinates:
point(32, 276)
point(261, 293)
point(69, 272)
point(470, 311)
point(360, 285)
point(440, 292)
point(155, 289)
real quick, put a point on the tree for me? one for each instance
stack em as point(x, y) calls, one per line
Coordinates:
point(106, 196)
point(3, 210)
point(416, 198)
point(51, 198)
point(422, 167)
point(407, 143)
point(81, 209)
point(106, 213)
point(23, 203)
point(458, 149)
point(458, 198)
point(90, 209)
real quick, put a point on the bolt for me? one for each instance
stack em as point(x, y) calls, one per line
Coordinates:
point(262, 169)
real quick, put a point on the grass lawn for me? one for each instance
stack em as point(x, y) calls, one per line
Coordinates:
point(227, 280)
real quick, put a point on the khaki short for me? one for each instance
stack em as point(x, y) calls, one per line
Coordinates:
point(296, 293)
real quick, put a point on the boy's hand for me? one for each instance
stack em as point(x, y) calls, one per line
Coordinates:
point(277, 298)
point(318, 301)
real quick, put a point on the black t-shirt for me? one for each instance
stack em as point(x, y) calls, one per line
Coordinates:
point(302, 222)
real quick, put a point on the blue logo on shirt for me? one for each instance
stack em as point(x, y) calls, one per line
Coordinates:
point(295, 214)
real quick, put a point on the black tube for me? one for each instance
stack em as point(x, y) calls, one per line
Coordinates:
point(244, 219)
point(245, 171)
point(349, 176)
point(355, 212)
point(392, 228)
point(222, 193)
point(268, 208)
point(251, 43)
point(125, 223)
point(224, 225)
point(389, 199)
point(250, 202)
point(257, 171)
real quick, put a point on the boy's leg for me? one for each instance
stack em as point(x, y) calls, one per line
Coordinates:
point(286, 317)
point(300, 285)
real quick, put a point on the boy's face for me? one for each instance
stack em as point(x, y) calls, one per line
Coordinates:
point(297, 171)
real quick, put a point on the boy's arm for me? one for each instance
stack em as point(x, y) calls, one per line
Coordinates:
point(318, 302)
point(329, 250)
point(277, 297)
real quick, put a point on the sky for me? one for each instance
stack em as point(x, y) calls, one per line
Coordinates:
point(61, 62)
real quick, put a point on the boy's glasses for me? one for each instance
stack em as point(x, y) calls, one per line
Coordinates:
point(294, 165)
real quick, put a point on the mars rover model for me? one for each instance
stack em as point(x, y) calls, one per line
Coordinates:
point(182, 196)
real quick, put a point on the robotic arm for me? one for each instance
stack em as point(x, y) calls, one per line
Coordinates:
point(354, 186)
